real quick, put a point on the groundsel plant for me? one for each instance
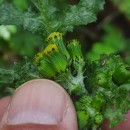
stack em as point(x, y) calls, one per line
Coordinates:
point(98, 88)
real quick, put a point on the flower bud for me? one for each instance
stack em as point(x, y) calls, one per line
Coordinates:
point(56, 38)
point(98, 119)
point(75, 52)
point(38, 57)
point(57, 59)
point(83, 118)
point(83, 102)
point(121, 74)
point(50, 61)
point(98, 101)
point(101, 80)
point(46, 69)
point(43, 65)
point(75, 49)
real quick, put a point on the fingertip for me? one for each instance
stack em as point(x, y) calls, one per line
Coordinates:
point(40, 104)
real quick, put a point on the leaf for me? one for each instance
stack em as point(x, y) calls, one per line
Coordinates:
point(21, 5)
point(19, 74)
point(6, 76)
point(11, 16)
point(112, 42)
point(120, 98)
point(49, 17)
point(124, 86)
point(25, 43)
point(81, 14)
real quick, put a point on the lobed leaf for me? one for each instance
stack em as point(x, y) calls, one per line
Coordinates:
point(49, 17)
point(9, 15)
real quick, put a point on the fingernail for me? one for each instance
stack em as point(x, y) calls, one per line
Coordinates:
point(38, 101)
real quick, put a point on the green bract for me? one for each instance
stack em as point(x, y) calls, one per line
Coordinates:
point(75, 50)
point(76, 54)
point(46, 69)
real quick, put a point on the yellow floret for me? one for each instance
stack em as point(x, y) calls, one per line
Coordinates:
point(50, 48)
point(54, 35)
point(37, 58)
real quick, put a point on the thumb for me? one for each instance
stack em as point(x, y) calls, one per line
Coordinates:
point(40, 105)
point(3, 105)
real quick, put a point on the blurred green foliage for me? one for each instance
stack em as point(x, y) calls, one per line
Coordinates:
point(111, 42)
point(16, 43)
point(20, 4)
point(124, 6)
point(26, 46)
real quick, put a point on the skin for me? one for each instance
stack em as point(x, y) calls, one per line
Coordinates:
point(10, 107)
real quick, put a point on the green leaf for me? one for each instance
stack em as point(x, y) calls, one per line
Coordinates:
point(1, 1)
point(81, 14)
point(21, 5)
point(112, 42)
point(49, 17)
point(6, 76)
point(120, 98)
point(25, 43)
point(11, 16)
point(19, 74)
